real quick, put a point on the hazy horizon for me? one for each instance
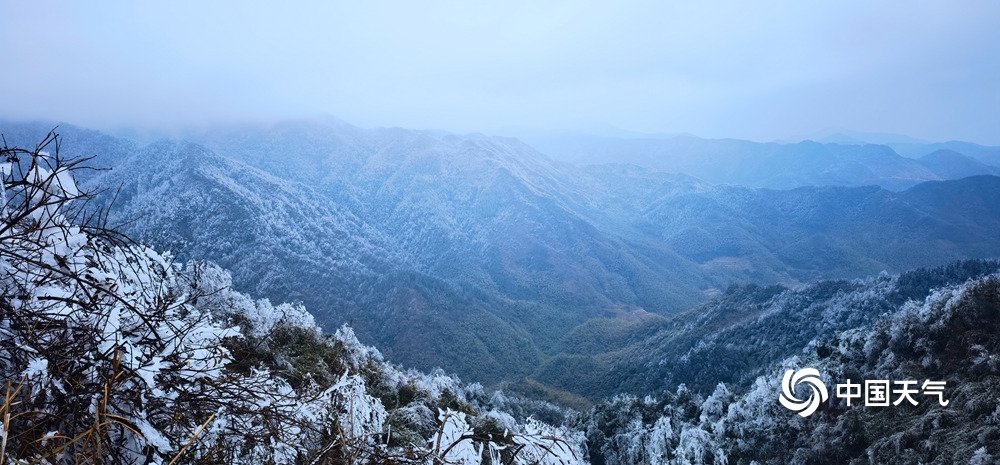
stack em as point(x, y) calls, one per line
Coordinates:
point(772, 71)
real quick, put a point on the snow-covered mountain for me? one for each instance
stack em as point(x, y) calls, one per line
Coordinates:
point(113, 353)
point(481, 254)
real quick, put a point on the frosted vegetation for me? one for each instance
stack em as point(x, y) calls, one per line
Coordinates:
point(738, 336)
point(951, 335)
point(114, 353)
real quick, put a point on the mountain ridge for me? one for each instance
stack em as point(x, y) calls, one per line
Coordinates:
point(480, 254)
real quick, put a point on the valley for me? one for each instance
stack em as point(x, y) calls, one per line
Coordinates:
point(487, 258)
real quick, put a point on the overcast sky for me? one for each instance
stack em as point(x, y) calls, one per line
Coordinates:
point(760, 70)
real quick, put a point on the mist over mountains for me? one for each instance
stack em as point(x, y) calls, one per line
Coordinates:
point(838, 161)
point(481, 254)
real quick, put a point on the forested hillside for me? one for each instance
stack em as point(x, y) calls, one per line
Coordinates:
point(115, 353)
point(543, 233)
point(948, 336)
point(480, 254)
point(736, 337)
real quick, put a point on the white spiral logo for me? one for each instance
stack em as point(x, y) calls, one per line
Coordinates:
point(809, 376)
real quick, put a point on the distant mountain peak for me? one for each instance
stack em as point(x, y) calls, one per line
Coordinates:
point(849, 137)
point(949, 164)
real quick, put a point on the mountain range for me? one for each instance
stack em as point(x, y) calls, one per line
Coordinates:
point(484, 256)
point(842, 162)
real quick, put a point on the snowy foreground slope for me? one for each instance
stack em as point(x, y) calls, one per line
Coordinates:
point(112, 353)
